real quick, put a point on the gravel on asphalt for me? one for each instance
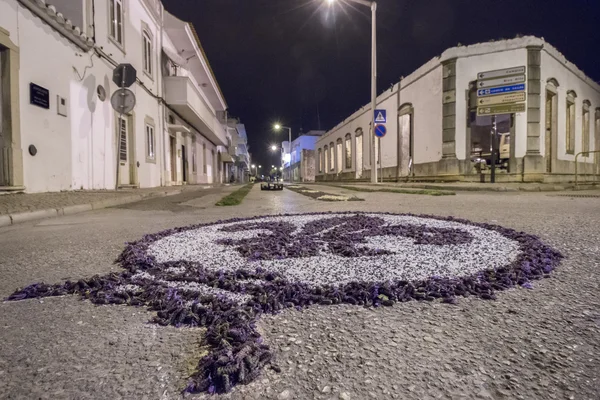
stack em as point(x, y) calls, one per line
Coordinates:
point(528, 344)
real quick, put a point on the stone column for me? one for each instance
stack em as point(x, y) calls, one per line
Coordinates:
point(449, 164)
point(11, 173)
point(449, 109)
point(533, 161)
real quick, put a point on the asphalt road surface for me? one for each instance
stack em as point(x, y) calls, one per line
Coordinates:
point(528, 344)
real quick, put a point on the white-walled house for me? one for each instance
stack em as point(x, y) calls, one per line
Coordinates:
point(195, 135)
point(433, 132)
point(58, 130)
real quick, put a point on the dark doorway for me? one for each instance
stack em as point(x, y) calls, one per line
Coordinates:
point(173, 146)
point(183, 164)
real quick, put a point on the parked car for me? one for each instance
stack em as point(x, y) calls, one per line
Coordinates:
point(483, 157)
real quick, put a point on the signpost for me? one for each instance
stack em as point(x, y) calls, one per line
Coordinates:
point(501, 81)
point(380, 116)
point(380, 131)
point(501, 99)
point(501, 91)
point(502, 109)
point(123, 101)
point(501, 73)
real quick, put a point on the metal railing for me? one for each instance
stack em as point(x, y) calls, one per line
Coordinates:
point(576, 165)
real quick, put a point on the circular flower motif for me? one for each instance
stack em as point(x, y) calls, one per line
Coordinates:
point(225, 274)
point(339, 249)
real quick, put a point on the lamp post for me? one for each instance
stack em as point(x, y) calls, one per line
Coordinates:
point(373, 6)
point(279, 127)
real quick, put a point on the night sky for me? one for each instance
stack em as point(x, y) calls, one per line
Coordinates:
point(308, 66)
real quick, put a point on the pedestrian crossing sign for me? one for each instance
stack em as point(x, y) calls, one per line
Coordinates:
point(380, 116)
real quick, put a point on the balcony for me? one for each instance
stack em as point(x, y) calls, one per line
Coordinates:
point(183, 95)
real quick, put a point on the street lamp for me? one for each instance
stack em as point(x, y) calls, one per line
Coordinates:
point(279, 127)
point(373, 6)
point(273, 148)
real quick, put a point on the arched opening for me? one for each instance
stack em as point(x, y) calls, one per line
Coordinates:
point(331, 157)
point(320, 157)
point(551, 123)
point(597, 141)
point(570, 122)
point(339, 156)
point(358, 137)
point(348, 153)
point(479, 134)
point(585, 129)
point(325, 160)
point(406, 138)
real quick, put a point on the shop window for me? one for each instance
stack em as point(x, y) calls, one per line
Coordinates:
point(481, 136)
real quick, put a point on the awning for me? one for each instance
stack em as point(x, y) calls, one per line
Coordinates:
point(225, 157)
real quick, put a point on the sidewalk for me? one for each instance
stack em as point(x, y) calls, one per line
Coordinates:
point(23, 207)
point(470, 186)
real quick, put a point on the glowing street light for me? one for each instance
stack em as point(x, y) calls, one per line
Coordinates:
point(279, 127)
point(373, 6)
point(273, 148)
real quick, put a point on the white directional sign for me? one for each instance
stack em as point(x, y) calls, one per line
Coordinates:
point(498, 73)
point(501, 99)
point(499, 109)
point(501, 81)
point(380, 116)
point(501, 89)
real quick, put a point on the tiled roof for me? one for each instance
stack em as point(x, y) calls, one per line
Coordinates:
point(57, 20)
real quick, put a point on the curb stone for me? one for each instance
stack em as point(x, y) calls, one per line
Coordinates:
point(12, 219)
point(75, 209)
point(33, 215)
point(5, 220)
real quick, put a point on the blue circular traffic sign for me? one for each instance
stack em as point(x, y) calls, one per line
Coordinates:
point(380, 131)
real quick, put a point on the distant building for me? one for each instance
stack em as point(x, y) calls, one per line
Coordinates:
point(299, 161)
point(434, 133)
point(58, 130)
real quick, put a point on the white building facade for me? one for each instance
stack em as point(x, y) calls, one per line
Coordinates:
point(434, 133)
point(299, 163)
point(58, 130)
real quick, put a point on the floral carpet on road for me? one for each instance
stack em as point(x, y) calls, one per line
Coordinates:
point(224, 275)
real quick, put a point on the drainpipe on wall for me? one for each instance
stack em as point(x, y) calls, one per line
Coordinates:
point(161, 108)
